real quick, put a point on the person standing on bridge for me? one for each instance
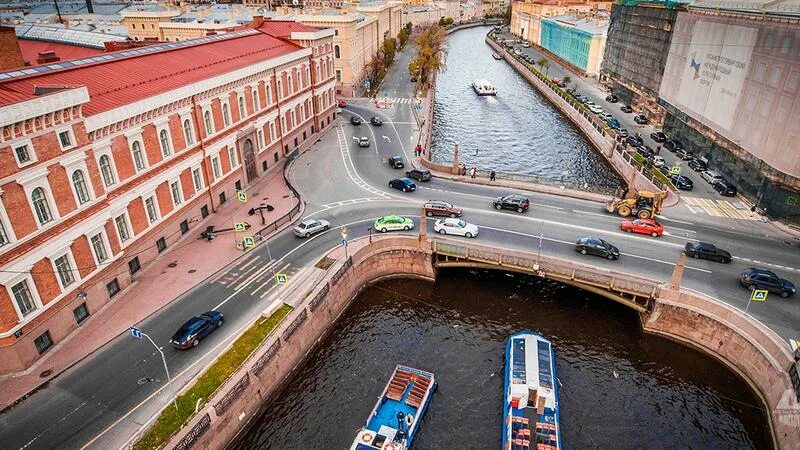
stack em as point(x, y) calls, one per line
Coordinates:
point(492, 176)
point(474, 172)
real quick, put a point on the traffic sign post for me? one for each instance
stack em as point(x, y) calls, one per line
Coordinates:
point(242, 196)
point(135, 332)
point(248, 241)
point(343, 229)
point(138, 334)
point(675, 170)
point(281, 278)
point(757, 295)
point(241, 226)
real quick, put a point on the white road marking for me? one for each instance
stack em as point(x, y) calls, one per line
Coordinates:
point(675, 220)
point(387, 138)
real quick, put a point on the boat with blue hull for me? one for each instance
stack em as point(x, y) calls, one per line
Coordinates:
point(530, 394)
point(396, 416)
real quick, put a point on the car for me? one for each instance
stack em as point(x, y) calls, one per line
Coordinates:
point(526, 44)
point(673, 145)
point(645, 151)
point(665, 170)
point(456, 227)
point(583, 99)
point(612, 98)
point(626, 109)
point(711, 177)
point(195, 329)
point(658, 136)
point(613, 123)
point(441, 208)
point(596, 246)
point(310, 226)
point(622, 132)
point(404, 184)
point(635, 140)
point(516, 202)
point(640, 119)
point(658, 161)
point(681, 182)
point(363, 141)
point(355, 120)
point(606, 115)
point(338, 110)
point(685, 155)
point(642, 226)
point(341, 104)
point(704, 250)
point(754, 278)
point(419, 174)
point(413, 79)
point(725, 188)
point(392, 223)
point(558, 82)
point(594, 108)
point(396, 162)
point(376, 121)
point(698, 165)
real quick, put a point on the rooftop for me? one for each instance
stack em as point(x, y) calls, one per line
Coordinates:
point(31, 49)
point(781, 7)
point(589, 25)
point(70, 36)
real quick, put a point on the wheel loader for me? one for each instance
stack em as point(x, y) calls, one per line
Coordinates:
point(645, 205)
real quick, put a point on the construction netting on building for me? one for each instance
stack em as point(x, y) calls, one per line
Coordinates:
point(664, 4)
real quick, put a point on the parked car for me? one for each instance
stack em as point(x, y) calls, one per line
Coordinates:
point(626, 109)
point(640, 119)
point(441, 208)
point(558, 82)
point(413, 78)
point(698, 165)
point(355, 120)
point(310, 226)
point(404, 184)
point(596, 246)
point(635, 140)
point(612, 98)
point(685, 155)
point(595, 109)
point(396, 162)
point(711, 177)
point(754, 278)
point(658, 136)
point(725, 188)
point(195, 329)
point(665, 170)
point(658, 161)
point(392, 223)
point(363, 141)
point(526, 44)
point(456, 227)
point(613, 123)
point(642, 226)
point(681, 182)
point(516, 202)
point(645, 151)
point(419, 174)
point(376, 121)
point(606, 115)
point(673, 145)
point(704, 250)
point(341, 103)
point(622, 132)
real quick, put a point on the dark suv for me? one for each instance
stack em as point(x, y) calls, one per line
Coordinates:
point(196, 328)
point(514, 201)
point(419, 174)
point(396, 162)
point(596, 246)
point(440, 208)
point(753, 278)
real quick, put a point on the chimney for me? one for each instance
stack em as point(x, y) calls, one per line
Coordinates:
point(10, 53)
point(47, 57)
point(258, 21)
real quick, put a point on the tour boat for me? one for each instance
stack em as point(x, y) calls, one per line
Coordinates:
point(496, 56)
point(530, 394)
point(483, 87)
point(396, 416)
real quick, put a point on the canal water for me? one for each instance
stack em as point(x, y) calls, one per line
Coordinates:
point(518, 131)
point(620, 388)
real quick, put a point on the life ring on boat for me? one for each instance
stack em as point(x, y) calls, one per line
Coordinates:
point(389, 446)
point(366, 437)
point(409, 420)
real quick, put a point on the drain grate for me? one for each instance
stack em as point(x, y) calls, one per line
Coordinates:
point(46, 373)
point(192, 270)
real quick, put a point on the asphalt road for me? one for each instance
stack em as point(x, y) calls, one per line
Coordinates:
point(101, 402)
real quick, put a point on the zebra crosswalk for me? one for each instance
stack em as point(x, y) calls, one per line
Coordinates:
point(719, 208)
point(254, 274)
point(395, 100)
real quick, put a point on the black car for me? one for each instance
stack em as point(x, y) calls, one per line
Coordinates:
point(698, 165)
point(355, 120)
point(645, 151)
point(612, 98)
point(681, 182)
point(641, 119)
point(596, 246)
point(404, 184)
point(753, 278)
point(396, 162)
point(635, 140)
point(419, 174)
point(725, 188)
point(195, 329)
point(516, 202)
point(658, 136)
point(704, 250)
point(376, 121)
point(626, 109)
point(673, 145)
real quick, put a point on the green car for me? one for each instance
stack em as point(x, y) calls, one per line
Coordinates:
point(389, 223)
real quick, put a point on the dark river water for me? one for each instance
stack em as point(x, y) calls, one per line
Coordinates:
point(518, 131)
point(620, 388)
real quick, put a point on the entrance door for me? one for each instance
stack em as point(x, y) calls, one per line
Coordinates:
point(249, 160)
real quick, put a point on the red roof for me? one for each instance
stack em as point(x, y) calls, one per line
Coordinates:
point(31, 49)
point(125, 80)
point(284, 28)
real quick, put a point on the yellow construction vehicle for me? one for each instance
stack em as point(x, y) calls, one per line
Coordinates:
point(645, 205)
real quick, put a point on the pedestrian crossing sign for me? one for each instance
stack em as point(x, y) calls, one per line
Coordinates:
point(675, 170)
point(241, 226)
point(759, 295)
point(249, 241)
point(281, 278)
point(242, 196)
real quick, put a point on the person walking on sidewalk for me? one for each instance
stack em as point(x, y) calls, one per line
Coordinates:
point(463, 170)
point(474, 172)
point(492, 176)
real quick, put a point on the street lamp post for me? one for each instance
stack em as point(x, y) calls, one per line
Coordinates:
point(369, 229)
point(163, 360)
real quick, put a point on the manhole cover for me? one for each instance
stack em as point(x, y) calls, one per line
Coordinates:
point(192, 270)
point(286, 196)
point(46, 373)
point(324, 263)
point(173, 264)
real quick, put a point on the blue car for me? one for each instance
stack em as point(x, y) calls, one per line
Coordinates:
point(195, 329)
point(404, 184)
point(613, 123)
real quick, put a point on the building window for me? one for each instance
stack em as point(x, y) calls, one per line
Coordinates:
point(204, 211)
point(175, 188)
point(113, 287)
point(222, 198)
point(268, 91)
point(106, 171)
point(150, 207)
point(3, 235)
point(255, 99)
point(226, 117)
point(336, 53)
point(81, 313)
point(278, 89)
point(209, 123)
point(99, 248)
point(163, 140)
point(264, 166)
point(338, 76)
point(275, 156)
point(215, 168)
point(64, 270)
point(184, 227)
point(23, 154)
point(121, 222)
point(41, 206)
point(79, 183)
point(198, 179)
point(260, 139)
point(43, 342)
point(238, 185)
point(65, 139)
point(22, 295)
point(134, 265)
point(187, 132)
point(272, 131)
point(138, 156)
point(232, 156)
point(161, 244)
point(242, 111)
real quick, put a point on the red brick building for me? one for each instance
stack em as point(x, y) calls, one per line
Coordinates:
point(107, 161)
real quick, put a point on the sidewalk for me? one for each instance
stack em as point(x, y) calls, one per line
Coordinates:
point(169, 276)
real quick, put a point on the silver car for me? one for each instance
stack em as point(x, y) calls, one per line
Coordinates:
point(311, 226)
point(363, 142)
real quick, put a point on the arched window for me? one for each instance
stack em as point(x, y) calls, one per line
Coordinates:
point(226, 117)
point(106, 171)
point(187, 132)
point(40, 205)
point(138, 156)
point(336, 53)
point(209, 124)
point(242, 112)
point(79, 183)
point(255, 99)
point(163, 140)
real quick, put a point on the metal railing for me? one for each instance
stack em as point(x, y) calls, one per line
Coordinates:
point(295, 324)
point(234, 393)
point(198, 430)
point(261, 362)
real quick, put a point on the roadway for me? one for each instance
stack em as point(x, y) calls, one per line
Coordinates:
point(101, 402)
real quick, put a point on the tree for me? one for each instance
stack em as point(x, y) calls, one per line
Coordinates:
point(431, 52)
point(375, 67)
point(389, 48)
point(543, 64)
point(402, 37)
point(567, 80)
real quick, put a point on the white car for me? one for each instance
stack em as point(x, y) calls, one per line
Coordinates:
point(658, 161)
point(456, 227)
point(711, 176)
point(310, 226)
point(595, 109)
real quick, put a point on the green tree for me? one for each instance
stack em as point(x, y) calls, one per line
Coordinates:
point(389, 48)
point(543, 64)
point(402, 37)
point(375, 67)
point(431, 52)
point(567, 80)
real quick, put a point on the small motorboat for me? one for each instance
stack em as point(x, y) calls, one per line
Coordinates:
point(483, 87)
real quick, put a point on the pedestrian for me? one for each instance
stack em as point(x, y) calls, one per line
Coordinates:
point(658, 149)
point(417, 150)
point(463, 169)
point(492, 176)
point(474, 171)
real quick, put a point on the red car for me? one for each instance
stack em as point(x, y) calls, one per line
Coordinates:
point(341, 104)
point(642, 226)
